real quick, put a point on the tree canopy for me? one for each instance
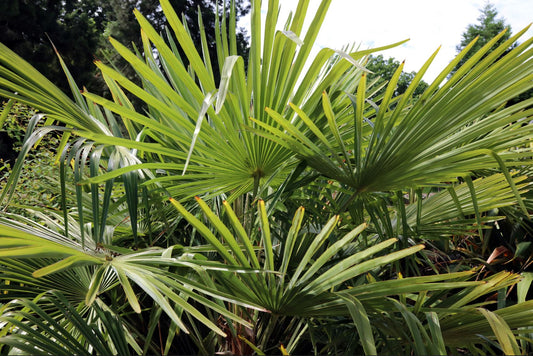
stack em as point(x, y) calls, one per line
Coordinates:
point(123, 26)
point(385, 69)
point(488, 26)
point(27, 27)
point(79, 31)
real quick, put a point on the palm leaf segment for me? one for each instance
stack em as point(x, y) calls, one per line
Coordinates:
point(455, 131)
point(50, 325)
point(449, 132)
point(192, 132)
point(301, 273)
point(445, 134)
point(309, 275)
point(96, 269)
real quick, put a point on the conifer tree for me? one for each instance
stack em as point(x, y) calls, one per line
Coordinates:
point(488, 26)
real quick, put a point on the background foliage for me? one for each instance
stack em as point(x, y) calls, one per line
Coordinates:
point(79, 30)
point(39, 176)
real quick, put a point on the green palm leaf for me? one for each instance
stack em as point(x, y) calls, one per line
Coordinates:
point(143, 268)
point(70, 331)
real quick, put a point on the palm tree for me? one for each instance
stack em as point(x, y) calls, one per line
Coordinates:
point(381, 178)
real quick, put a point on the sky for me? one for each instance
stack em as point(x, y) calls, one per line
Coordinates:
point(427, 23)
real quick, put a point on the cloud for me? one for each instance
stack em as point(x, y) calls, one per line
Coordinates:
point(428, 25)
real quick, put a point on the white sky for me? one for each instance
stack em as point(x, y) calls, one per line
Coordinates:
point(427, 23)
